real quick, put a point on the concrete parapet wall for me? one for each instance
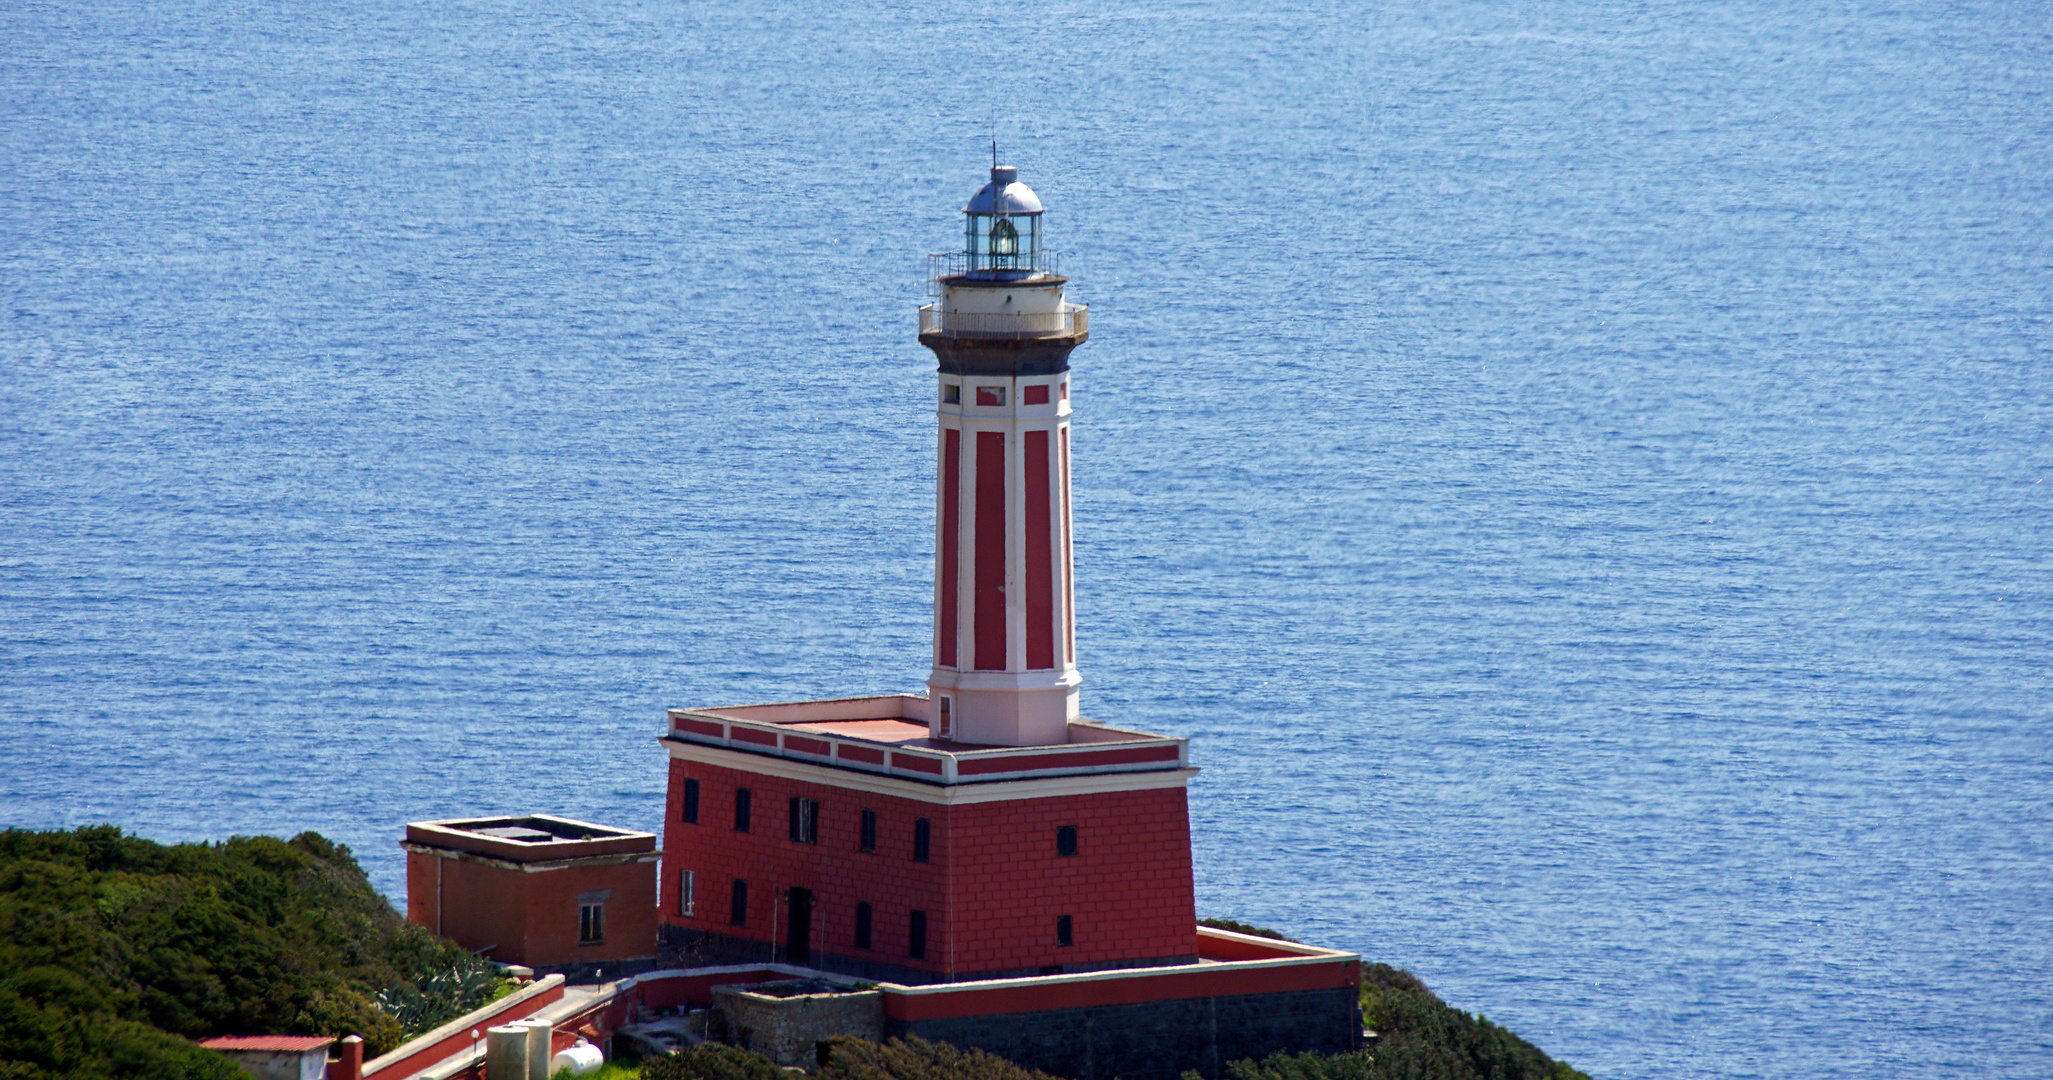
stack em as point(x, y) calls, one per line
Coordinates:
point(454, 1037)
point(789, 1029)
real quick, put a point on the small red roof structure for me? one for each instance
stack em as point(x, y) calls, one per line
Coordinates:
point(281, 1044)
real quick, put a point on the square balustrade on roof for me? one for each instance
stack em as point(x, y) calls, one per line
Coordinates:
point(529, 838)
point(887, 734)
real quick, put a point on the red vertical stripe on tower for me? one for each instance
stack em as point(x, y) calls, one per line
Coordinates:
point(1068, 566)
point(1040, 553)
point(945, 583)
point(990, 556)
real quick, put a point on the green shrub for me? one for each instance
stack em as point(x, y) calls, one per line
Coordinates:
point(1422, 1037)
point(712, 1061)
point(916, 1059)
point(114, 951)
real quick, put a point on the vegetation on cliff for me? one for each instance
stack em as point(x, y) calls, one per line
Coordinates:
point(114, 951)
point(1419, 1037)
point(845, 1059)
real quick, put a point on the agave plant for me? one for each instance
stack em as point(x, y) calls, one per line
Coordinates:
point(439, 996)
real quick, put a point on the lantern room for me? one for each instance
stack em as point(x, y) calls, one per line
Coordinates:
point(1002, 234)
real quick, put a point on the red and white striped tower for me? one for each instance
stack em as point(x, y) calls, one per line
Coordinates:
point(1004, 626)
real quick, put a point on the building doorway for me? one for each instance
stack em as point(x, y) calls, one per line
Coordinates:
point(800, 931)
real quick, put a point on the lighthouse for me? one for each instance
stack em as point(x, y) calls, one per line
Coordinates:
point(984, 829)
point(1001, 329)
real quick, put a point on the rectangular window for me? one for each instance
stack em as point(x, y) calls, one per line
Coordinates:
point(1062, 934)
point(591, 924)
point(1065, 389)
point(868, 841)
point(741, 807)
point(922, 839)
point(805, 820)
point(738, 909)
point(688, 893)
point(947, 718)
point(691, 802)
point(951, 394)
point(862, 925)
point(1034, 395)
point(1065, 840)
point(990, 395)
point(916, 946)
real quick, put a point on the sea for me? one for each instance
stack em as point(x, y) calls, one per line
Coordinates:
point(1578, 473)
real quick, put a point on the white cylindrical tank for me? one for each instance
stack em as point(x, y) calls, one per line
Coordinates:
point(506, 1053)
point(582, 1059)
point(538, 1048)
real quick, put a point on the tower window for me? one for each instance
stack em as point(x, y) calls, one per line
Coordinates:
point(805, 820)
point(1034, 395)
point(916, 944)
point(1065, 840)
point(947, 719)
point(741, 808)
point(591, 924)
point(990, 395)
point(922, 839)
point(738, 910)
point(867, 839)
point(1062, 931)
point(951, 393)
point(691, 802)
point(688, 893)
point(862, 925)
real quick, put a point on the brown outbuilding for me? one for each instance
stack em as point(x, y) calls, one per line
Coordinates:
point(544, 892)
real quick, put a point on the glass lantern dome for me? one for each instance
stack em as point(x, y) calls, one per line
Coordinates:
point(1002, 228)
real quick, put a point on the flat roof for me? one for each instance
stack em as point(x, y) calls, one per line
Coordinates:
point(897, 730)
point(888, 734)
point(529, 837)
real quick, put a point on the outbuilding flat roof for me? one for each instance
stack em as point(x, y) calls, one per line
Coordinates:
point(529, 838)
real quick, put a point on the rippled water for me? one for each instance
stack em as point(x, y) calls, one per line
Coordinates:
point(1578, 474)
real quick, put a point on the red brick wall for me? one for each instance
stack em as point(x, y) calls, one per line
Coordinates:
point(421, 899)
point(481, 905)
point(552, 914)
point(532, 918)
point(1128, 889)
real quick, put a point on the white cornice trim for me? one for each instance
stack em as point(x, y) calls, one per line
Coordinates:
point(938, 794)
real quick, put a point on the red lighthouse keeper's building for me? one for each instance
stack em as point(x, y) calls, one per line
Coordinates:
point(985, 830)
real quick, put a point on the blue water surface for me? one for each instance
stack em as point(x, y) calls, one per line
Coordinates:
point(1578, 472)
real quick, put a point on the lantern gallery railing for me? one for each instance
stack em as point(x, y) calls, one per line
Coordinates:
point(1072, 321)
point(958, 263)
